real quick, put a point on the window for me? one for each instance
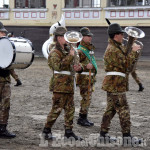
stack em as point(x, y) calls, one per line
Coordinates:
point(130, 2)
point(30, 3)
point(112, 3)
point(82, 3)
point(147, 2)
point(4, 3)
point(139, 2)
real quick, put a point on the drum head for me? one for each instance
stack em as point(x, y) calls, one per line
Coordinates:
point(6, 53)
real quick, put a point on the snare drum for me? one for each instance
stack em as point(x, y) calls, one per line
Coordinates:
point(15, 53)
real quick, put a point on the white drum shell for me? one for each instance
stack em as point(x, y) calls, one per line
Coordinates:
point(6, 52)
point(23, 53)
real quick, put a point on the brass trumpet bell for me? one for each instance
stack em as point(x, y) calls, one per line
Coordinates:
point(134, 32)
point(73, 37)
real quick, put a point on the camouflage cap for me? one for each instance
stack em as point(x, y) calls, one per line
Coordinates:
point(2, 29)
point(60, 31)
point(86, 31)
point(115, 28)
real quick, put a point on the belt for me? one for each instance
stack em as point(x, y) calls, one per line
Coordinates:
point(67, 73)
point(87, 73)
point(116, 73)
point(62, 72)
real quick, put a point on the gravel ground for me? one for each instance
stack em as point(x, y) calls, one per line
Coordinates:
point(31, 102)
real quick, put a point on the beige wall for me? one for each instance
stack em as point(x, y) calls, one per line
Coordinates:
point(53, 15)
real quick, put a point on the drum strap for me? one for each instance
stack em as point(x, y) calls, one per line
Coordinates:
point(4, 73)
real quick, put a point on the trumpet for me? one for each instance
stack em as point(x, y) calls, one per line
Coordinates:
point(73, 37)
point(133, 34)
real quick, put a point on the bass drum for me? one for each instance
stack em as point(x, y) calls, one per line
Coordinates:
point(16, 53)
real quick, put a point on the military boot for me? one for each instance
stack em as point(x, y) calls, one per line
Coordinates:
point(48, 134)
point(4, 133)
point(129, 140)
point(141, 88)
point(83, 121)
point(18, 83)
point(106, 138)
point(70, 134)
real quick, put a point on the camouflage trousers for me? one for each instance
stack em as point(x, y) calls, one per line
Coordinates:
point(61, 101)
point(135, 77)
point(14, 75)
point(86, 99)
point(116, 103)
point(5, 93)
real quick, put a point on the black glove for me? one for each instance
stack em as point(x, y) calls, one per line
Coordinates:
point(18, 83)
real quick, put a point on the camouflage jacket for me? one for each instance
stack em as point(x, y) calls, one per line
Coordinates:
point(115, 59)
point(5, 76)
point(60, 60)
point(81, 78)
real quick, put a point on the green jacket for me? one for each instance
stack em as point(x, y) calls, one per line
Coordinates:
point(115, 59)
point(60, 60)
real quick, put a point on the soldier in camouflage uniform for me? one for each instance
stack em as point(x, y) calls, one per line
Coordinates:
point(84, 50)
point(137, 80)
point(60, 60)
point(116, 80)
point(12, 72)
point(15, 76)
point(5, 93)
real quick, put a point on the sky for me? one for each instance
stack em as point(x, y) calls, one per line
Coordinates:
point(3, 1)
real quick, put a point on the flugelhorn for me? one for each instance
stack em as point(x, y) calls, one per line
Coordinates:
point(133, 34)
point(73, 37)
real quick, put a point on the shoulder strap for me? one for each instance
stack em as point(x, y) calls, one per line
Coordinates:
point(57, 51)
point(86, 52)
point(119, 48)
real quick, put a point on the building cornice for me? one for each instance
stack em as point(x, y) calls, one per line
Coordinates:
point(127, 8)
point(4, 9)
point(29, 10)
point(80, 9)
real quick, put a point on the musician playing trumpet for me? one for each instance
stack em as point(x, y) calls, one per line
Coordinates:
point(60, 61)
point(115, 83)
